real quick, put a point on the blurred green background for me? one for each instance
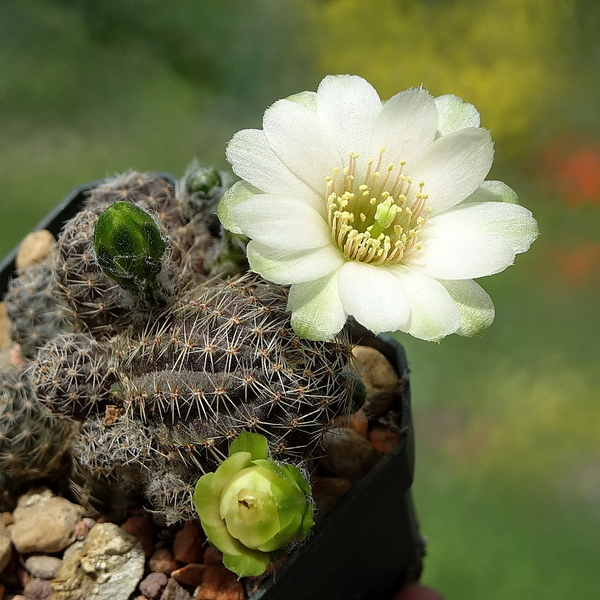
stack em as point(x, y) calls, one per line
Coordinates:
point(508, 424)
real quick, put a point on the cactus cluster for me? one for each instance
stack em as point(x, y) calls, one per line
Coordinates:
point(36, 312)
point(146, 390)
point(33, 442)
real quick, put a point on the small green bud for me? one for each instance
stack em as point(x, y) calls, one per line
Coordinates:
point(129, 247)
point(201, 180)
point(252, 507)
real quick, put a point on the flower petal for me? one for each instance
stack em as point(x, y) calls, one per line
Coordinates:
point(454, 114)
point(236, 193)
point(306, 99)
point(493, 191)
point(206, 502)
point(453, 167)
point(250, 564)
point(281, 222)
point(405, 127)
point(373, 295)
point(474, 240)
point(222, 539)
point(302, 142)
point(228, 469)
point(253, 159)
point(285, 267)
point(474, 305)
point(348, 105)
point(433, 313)
point(317, 311)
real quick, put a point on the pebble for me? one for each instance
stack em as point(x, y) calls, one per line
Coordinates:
point(212, 555)
point(359, 422)
point(5, 337)
point(153, 585)
point(191, 574)
point(379, 377)
point(383, 438)
point(219, 583)
point(142, 527)
point(349, 455)
point(108, 565)
point(188, 546)
point(162, 561)
point(34, 248)
point(43, 566)
point(44, 523)
point(174, 591)
point(38, 589)
point(5, 547)
point(83, 528)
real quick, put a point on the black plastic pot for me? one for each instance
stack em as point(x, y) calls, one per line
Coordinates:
point(369, 544)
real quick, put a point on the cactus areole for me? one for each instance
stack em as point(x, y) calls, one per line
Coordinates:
point(129, 247)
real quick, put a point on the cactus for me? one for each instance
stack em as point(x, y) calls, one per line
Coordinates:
point(34, 444)
point(34, 308)
point(146, 396)
point(72, 375)
point(101, 304)
point(224, 359)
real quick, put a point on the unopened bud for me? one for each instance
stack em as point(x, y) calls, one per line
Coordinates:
point(129, 247)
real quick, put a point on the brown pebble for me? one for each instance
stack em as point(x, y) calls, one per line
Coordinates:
point(383, 438)
point(219, 583)
point(142, 527)
point(6, 518)
point(188, 545)
point(34, 248)
point(81, 530)
point(2, 590)
point(359, 422)
point(5, 327)
point(174, 591)
point(190, 574)
point(152, 586)
point(23, 575)
point(162, 561)
point(16, 357)
point(380, 379)
point(38, 589)
point(212, 555)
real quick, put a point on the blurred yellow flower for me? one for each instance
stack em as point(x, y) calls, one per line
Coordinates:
point(504, 56)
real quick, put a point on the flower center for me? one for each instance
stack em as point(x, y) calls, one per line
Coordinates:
point(372, 221)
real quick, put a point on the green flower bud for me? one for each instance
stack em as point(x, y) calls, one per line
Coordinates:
point(251, 508)
point(201, 180)
point(129, 247)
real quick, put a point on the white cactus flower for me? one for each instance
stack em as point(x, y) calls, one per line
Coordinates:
point(379, 210)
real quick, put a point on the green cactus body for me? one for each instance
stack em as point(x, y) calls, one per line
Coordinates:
point(225, 359)
point(72, 375)
point(149, 399)
point(36, 313)
point(33, 443)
